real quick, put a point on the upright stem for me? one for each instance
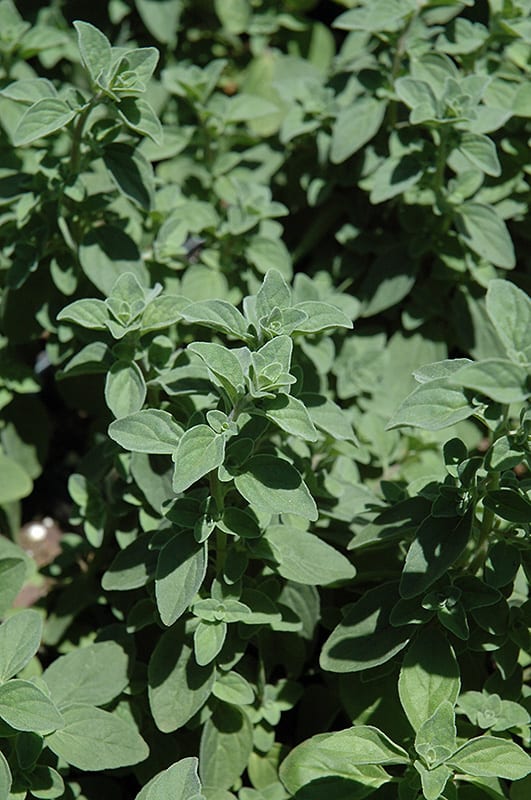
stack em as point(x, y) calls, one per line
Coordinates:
point(77, 134)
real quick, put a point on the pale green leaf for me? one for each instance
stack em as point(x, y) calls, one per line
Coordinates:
point(481, 152)
point(365, 636)
point(354, 126)
point(125, 389)
point(94, 675)
point(181, 570)
point(433, 405)
point(141, 118)
point(273, 485)
point(177, 686)
point(25, 707)
point(321, 316)
point(217, 314)
point(132, 567)
point(131, 171)
point(95, 49)
point(200, 450)
point(488, 756)
point(438, 542)
point(223, 364)
point(5, 777)
point(20, 638)
point(304, 558)
point(178, 782)
point(501, 380)
point(291, 415)
point(226, 744)
point(14, 480)
point(87, 312)
point(231, 687)
point(328, 770)
point(433, 781)
point(42, 118)
point(509, 309)
point(147, 431)
point(486, 234)
point(429, 676)
point(95, 740)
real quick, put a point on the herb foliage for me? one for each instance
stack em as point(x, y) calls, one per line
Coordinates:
point(265, 357)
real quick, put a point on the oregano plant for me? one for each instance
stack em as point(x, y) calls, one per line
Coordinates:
point(265, 369)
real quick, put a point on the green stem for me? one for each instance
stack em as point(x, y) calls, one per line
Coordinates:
point(216, 491)
point(77, 134)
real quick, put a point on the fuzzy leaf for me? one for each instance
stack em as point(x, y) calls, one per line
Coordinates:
point(200, 450)
point(95, 740)
point(181, 570)
point(147, 431)
point(273, 485)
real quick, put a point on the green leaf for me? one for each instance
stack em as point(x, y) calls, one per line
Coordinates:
point(12, 577)
point(95, 740)
point(42, 118)
point(178, 782)
point(107, 252)
point(132, 567)
point(88, 313)
point(439, 541)
point(209, 638)
point(217, 314)
point(131, 171)
point(148, 431)
point(415, 93)
point(321, 316)
point(226, 744)
point(25, 707)
point(161, 18)
point(14, 480)
point(163, 312)
point(141, 118)
point(328, 416)
point(433, 405)
point(29, 90)
point(234, 15)
point(181, 570)
point(125, 389)
point(304, 558)
point(360, 745)
point(509, 504)
point(433, 781)
point(94, 675)
point(436, 738)
point(273, 293)
point(313, 767)
point(354, 126)
point(5, 777)
point(224, 366)
point(200, 450)
point(429, 676)
point(365, 636)
point(20, 638)
point(290, 415)
point(509, 309)
point(273, 485)
point(503, 381)
point(95, 50)
point(177, 686)
point(488, 756)
point(486, 234)
point(481, 152)
point(46, 783)
point(231, 687)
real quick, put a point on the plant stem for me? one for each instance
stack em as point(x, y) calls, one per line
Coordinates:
point(77, 134)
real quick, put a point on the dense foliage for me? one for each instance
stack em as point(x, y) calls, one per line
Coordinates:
point(265, 346)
